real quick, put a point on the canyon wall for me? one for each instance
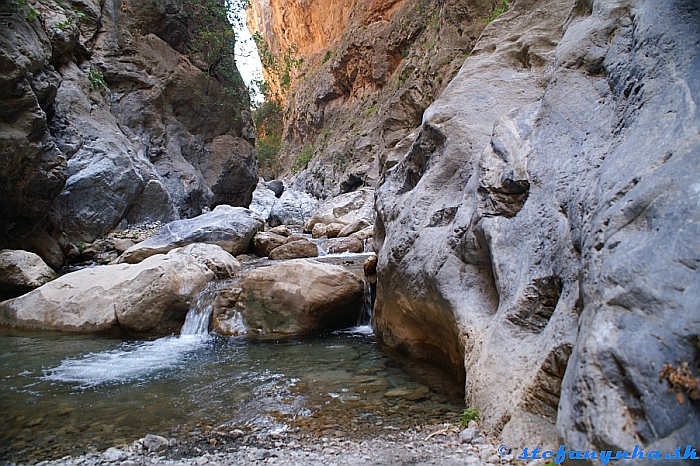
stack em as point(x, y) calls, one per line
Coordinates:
point(539, 237)
point(370, 69)
point(116, 112)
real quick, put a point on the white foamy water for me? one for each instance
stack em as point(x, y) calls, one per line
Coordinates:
point(360, 330)
point(132, 361)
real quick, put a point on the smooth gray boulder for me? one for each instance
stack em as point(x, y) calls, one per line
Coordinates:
point(292, 297)
point(232, 228)
point(21, 272)
point(541, 231)
point(151, 297)
point(292, 208)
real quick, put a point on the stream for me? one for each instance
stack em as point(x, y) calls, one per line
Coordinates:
point(65, 394)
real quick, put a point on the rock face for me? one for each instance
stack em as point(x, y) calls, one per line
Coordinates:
point(263, 200)
point(345, 209)
point(541, 231)
point(21, 272)
point(293, 297)
point(232, 228)
point(370, 69)
point(152, 297)
point(112, 113)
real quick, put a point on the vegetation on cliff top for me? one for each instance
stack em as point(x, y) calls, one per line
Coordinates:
point(211, 39)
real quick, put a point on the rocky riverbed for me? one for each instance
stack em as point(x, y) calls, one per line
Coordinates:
point(443, 444)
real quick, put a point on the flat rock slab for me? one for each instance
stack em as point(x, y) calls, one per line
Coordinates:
point(231, 228)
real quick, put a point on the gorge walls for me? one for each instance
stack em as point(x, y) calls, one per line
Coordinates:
point(539, 235)
point(113, 111)
point(537, 223)
point(370, 69)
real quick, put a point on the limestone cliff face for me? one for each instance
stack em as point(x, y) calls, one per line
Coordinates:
point(370, 69)
point(111, 111)
point(540, 235)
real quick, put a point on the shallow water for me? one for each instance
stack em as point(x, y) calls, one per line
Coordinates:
point(70, 394)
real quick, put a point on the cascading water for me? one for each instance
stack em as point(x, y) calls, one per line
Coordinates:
point(367, 304)
point(141, 360)
point(199, 315)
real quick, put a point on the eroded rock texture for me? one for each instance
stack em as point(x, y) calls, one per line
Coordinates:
point(541, 231)
point(370, 70)
point(112, 111)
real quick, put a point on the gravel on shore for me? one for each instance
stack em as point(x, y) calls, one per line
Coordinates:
point(443, 444)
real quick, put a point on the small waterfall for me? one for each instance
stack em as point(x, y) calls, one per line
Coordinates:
point(368, 304)
point(199, 315)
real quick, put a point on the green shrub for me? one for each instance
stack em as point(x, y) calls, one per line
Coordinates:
point(327, 56)
point(502, 8)
point(303, 159)
point(269, 127)
point(469, 414)
point(97, 79)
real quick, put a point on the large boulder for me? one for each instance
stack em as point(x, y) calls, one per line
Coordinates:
point(266, 241)
point(21, 272)
point(296, 249)
point(345, 209)
point(292, 208)
point(294, 297)
point(276, 186)
point(541, 232)
point(151, 297)
point(232, 228)
point(347, 244)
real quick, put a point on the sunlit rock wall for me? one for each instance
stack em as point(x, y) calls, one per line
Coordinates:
point(370, 69)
